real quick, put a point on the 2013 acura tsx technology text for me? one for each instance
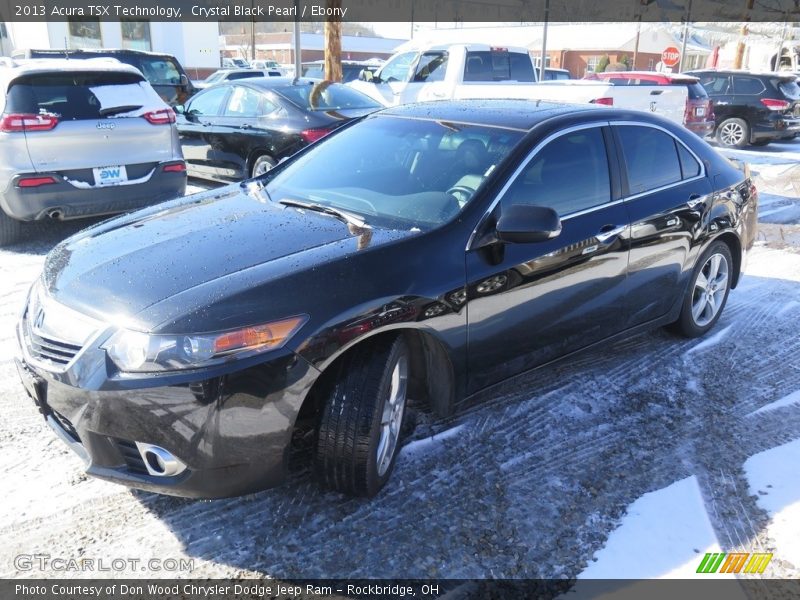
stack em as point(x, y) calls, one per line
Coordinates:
point(425, 252)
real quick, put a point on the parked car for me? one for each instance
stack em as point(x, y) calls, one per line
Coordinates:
point(223, 75)
point(235, 63)
point(699, 113)
point(551, 74)
point(351, 69)
point(82, 138)
point(233, 131)
point(270, 65)
point(752, 108)
point(163, 71)
point(320, 296)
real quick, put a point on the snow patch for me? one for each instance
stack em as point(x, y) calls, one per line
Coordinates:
point(710, 341)
point(426, 444)
point(774, 478)
point(791, 399)
point(664, 534)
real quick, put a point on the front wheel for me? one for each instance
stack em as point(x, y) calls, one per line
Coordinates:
point(360, 424)
point(707, 293)
point(733, 133)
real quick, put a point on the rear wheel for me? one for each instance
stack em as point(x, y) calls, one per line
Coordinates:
point(707, 293)
point(261, 165)
point(11, 230)
point(733, 133)
point(361, 421)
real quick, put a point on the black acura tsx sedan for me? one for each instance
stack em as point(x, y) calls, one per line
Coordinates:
point(423, 252)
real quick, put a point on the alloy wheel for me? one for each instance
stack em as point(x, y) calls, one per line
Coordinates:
point(392, 417)
point(732, 134)
point(710, 287)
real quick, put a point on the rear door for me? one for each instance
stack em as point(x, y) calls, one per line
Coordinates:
point(200, 129)
point(246, 125)
point(100, 123)
point(667, 196)
point(719, 89)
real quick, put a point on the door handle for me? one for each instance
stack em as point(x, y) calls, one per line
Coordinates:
point(245, 126)
point(694, 200)
point(656, 92)
point(610, 231)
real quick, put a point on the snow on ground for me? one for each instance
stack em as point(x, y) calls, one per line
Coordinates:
point(774, 477)
point(790, 400)
point(664, 534)
point(649, 440)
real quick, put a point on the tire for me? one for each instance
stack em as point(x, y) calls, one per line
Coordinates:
point(360, 424)
point(733, 133)
point(261, 165)
point(698, 315)
point(11, 230)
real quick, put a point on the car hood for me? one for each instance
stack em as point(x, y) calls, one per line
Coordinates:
point(119, 268)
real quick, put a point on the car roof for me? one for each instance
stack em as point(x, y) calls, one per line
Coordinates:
point(78, 51)
point(779, 74)
point(677, 77)
point(15, 68)
point(273, 82)
point(522, 115)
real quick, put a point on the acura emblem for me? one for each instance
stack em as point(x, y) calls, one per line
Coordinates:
point(105, 125)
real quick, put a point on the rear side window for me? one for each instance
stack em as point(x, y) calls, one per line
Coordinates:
point(160, 71)
point(569, 174)
point(78, 96)
point(244, 102)
point(689, 165)
point(325, 95)
point(498, 66)
point(696, 91)
point(749, 86)
point(650, 156)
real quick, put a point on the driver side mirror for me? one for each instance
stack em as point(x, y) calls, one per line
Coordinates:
point(524, 224)
point(184, 80)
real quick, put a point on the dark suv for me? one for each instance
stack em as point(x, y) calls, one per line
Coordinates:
point(753, 108)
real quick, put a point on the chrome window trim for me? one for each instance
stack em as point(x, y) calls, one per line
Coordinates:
point(531, 155)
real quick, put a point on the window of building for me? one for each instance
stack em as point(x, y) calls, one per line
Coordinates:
point(136, 35)
point(85, 33)
point(591, 63)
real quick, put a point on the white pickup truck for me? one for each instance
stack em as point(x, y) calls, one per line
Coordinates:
point(468, 71)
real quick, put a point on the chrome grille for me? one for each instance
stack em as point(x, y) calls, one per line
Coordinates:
point(47, 348)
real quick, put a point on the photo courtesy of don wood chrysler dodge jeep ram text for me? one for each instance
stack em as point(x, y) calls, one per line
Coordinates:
point(423, 251)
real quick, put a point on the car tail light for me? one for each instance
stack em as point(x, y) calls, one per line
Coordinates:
point(164, 116)
point(312, 135)
point(775, 104)
point(698, 110)
point(27, 122)
point(603, 101)
point(29, 182)
point(176, 167)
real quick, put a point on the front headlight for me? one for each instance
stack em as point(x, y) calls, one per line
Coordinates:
point(136, 352)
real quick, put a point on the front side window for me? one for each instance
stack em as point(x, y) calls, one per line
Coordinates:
point(207, 104)
point(398, 68)
point(651, 158)
point(244, 102)
point(431, 67)
point(396, 172)
point(715, 84)
point(569, 174)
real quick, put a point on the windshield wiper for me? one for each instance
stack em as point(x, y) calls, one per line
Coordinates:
point(342, 215)
point(115, 110)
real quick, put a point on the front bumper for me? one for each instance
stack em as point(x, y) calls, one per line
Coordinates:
point(231, 430)
point(33, 203)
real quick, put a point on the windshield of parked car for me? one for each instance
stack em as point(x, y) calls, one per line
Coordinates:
point(325, 95)
point(396, 172)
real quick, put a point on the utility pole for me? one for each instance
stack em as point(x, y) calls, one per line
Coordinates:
point(636, 43)
point(543, 61)
point(685, 36)
point(297, 49)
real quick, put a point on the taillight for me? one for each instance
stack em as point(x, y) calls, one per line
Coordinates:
point(27, 122)
point(775, 104)
point(29, 182)
point(312, 135)
point(603, 101)
point(176, 167)
point(163, 116)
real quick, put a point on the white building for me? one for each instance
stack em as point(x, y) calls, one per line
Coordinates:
point(195, 45)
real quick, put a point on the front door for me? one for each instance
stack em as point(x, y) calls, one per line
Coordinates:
point(530, 303)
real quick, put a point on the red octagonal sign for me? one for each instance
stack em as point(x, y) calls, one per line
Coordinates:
point(671, 56)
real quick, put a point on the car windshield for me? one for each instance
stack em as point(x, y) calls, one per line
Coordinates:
point(396, 172)
point(160, 71)
point(325, 95)
point(216, 76)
